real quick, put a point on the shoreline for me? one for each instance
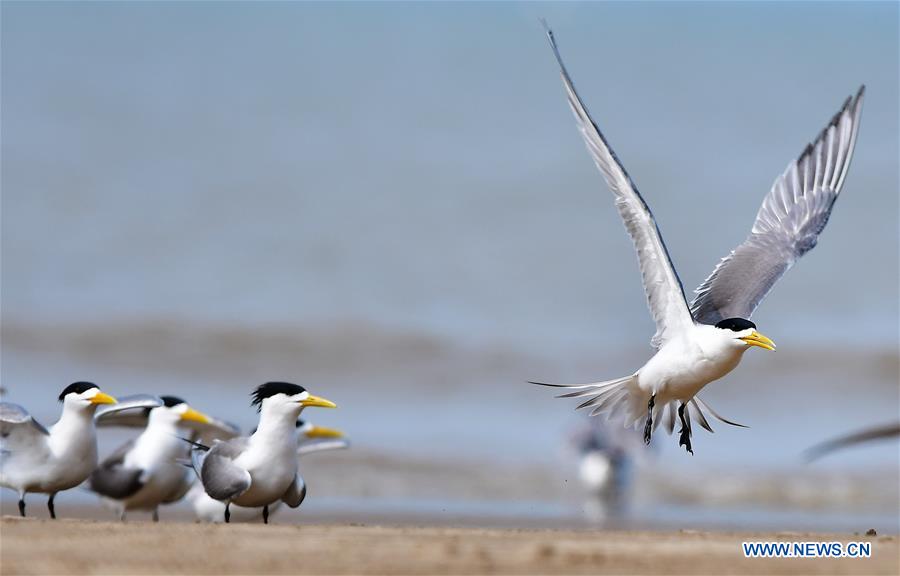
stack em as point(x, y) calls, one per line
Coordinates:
point(36, 546)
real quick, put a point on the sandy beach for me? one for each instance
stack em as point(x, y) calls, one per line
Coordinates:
point(34, 546)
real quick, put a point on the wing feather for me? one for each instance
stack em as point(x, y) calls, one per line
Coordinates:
point(665, 294)
point(19, 431)
point(221, 477)
point(112, 479)
point(787, 225)
point(132, 408)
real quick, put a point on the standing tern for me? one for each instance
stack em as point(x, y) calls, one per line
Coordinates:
point(311, 439)
point(261, 469)
point(703, 342)
point(144, 472)
point(35, 459)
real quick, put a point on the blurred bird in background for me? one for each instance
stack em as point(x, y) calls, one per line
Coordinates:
point(883, 432)
point(605, 461)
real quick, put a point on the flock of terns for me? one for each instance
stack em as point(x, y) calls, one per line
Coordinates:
point(249, 476)
point(179, 453)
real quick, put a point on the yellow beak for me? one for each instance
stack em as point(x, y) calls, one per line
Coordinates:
point(195, 416)
point(323, 432)
point(316, 401)
point(101, 398)
point(757, 339)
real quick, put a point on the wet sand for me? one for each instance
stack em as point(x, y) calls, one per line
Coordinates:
point(35, 546)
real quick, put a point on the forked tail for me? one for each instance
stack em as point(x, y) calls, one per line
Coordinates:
point(623, 397)
point(608, 397)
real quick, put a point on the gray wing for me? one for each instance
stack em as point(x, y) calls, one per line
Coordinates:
point(296, 493)
point(665, 294)
point(221, 477)
point(127, 418)
point(112, 479)
point(181, 490)
point(879, 433)
point(132, 406)
point(18, 429)
point(788, 224)
point(321, 445)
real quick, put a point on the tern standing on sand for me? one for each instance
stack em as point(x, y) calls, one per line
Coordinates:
point(144, 472)
point(261, 469)
point(34, 459)
point(703, 342)
point(311, 439)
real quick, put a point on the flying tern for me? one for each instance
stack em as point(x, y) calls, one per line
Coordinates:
point(702, 342)
point(311, 439)
point(883, 432)
point(144, 472)
point(261, 469)
point(35, 459)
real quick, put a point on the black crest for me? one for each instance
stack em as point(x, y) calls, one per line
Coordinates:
point(170, 401)
point(736, 324)
point(273, 388)
point(76, 388)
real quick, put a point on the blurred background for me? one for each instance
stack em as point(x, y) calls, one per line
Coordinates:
point(390, 204)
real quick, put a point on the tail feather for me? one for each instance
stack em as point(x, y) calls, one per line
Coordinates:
point(657, 419)
point(708, 408)
point(607, 401)
point(670, 417)
point(582, 390)
point(665, 414)
point(198, 454)
point(618, 405)
point(695, 411)
point(607, 396)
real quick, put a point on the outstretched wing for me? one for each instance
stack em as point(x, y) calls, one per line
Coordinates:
point(19, 431)
point(788, 224)
point(665, 294)
point(879, 433)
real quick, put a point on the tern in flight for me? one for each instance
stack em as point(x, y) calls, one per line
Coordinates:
point(35, 459)
point(260, 469)
point(702, 342)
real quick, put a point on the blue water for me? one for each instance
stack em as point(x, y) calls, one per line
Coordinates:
point(421, 176)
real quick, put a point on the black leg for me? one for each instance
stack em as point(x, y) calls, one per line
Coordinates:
point(156, 515)
point(227, 513)
point(685, 438)
point(50, 506)
point(22, 506)
point(648, 427)
point(266, 514)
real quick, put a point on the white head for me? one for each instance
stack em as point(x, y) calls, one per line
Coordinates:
point(742, 333)
point(175, 411)
point(84, 396)
point(286, 399)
